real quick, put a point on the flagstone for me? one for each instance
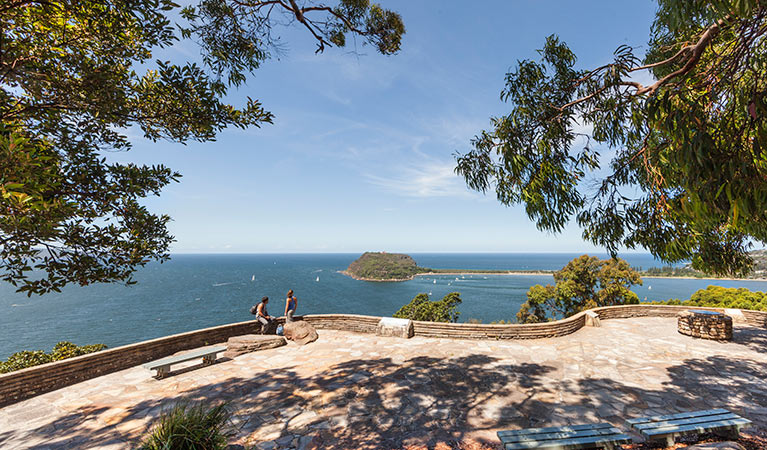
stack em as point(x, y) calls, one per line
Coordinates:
point(394, 392)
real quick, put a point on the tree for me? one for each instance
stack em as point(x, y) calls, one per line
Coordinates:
point(585, 282)
point(688, 179)
point(74, 75)
point(421, 308)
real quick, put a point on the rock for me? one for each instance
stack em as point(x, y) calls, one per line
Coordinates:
point(390, 326)
point(268, 432)
point(309, 442)
point(728, 445)
point(238, 345)
point(284, 441)
point(269, 445)
point(303, 420)
point(300, 332)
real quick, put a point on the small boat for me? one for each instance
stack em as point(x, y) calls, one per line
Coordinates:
point(435, 281)
point(318, 279)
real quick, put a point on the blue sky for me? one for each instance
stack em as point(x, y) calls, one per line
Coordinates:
point(360, 156)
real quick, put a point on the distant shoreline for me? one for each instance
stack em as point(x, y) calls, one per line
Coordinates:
point(530, 273)
point(498, 272)
point(539, 272)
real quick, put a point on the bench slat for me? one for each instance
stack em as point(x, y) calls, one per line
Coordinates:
point(568, 444)
point(554, 429)
point(541, 437)
point(685, 415)
point(694, 420)
point(185, 357)
point(699, 427)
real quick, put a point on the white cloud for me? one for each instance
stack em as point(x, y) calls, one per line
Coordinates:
point(427, 178)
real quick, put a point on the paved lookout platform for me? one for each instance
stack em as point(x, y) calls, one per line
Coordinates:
point(350, 390)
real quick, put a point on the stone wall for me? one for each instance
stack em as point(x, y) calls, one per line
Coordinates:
point(26, 383)
point(515, 331)
point(707, 326)
point(343, 322)
point(755, 318)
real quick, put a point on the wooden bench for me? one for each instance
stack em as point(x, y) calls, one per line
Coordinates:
point(162, 366)
point(598, 435)
point(664, 429)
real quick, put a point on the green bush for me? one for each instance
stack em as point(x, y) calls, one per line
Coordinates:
point(720, 297)
point(421, 308)
point(23, 359)
point(191, 426)
point(62, 350)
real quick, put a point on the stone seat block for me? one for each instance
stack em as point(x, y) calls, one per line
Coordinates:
point(390, 326)
point(238, 345)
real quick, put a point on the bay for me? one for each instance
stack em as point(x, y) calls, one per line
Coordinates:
point(198, 291)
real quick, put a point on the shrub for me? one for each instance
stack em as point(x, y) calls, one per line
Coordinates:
point(720, 297)
point(191, 426)
point(421, 308)
point(23, 359)
point(62, 350)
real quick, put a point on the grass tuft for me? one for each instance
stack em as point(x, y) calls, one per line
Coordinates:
point(191, 426)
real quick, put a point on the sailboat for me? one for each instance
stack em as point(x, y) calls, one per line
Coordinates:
point(435, 281)
point(253, 278)
point(318, 279)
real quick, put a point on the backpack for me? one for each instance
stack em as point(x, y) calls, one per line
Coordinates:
point(254, 309)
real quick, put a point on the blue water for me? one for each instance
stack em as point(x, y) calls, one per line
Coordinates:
point(197, 291)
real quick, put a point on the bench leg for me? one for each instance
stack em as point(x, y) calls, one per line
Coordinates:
point(663, 441)
point(732, 433)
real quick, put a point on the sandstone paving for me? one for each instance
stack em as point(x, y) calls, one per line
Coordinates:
point(350, 390)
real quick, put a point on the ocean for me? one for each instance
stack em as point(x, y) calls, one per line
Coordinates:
point(198, 291)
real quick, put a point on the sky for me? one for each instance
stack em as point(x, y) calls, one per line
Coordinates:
point(361, 153)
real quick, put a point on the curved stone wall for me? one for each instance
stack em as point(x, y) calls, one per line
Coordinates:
point(26, 383)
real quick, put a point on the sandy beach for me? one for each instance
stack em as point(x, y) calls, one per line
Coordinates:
point(537, 272)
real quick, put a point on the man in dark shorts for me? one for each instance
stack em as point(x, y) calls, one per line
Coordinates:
point(263, 316)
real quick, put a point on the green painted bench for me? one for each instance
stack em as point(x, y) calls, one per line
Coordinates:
point(598, 435)
point(162, 366)
point(664, 429)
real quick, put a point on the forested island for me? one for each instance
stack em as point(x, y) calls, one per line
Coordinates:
point(383, 266)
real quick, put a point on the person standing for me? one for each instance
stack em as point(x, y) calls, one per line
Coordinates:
point(291, 303)
point(263, 316)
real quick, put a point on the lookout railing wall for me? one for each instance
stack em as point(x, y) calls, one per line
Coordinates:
point(22, 384)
